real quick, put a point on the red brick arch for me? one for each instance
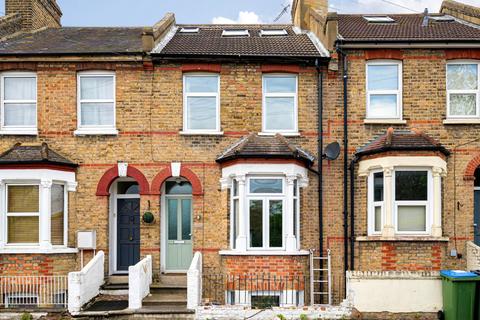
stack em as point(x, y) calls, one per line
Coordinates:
point(185, 173)
point(103, 187)
point(471, 167)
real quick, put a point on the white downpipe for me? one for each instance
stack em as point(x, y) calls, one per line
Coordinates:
point(139, 281)
point(194, 282)
point(85, 285)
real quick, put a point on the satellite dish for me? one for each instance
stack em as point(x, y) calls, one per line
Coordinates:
point(332, 151)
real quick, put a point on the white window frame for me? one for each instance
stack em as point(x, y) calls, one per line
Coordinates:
point(427, 203)
point(18, 130)
point(234, 198)
point(96, 129)
point(201, 94)
point(266, 95)
point(265, 198)
point(23, 214)
point(398, 92)
point(372, 204)
point(65, 214)
point(476, 92)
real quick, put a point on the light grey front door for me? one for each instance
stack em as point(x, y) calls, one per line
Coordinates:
point(179, 251)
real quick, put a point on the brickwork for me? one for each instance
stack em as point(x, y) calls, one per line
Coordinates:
point(275, 265)
point(424, 107)
point(35, 14)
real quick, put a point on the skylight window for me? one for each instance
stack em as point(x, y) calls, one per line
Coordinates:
point(273, 32)
point(235, 33)
point(379, 19)
point(189, 30)
point(442, 18)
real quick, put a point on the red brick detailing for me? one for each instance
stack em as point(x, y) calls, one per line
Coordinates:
point(269, 68)
point(384, 54)
point(206, 67)
point(462, 54)
point(160, 179)
point(273, 265)
point(436, 257)
point(389, 257)
point(95, 66)
point(192, 177)
point(185, 172)
point(18, 66)
point(111, 174)
point(471, 167)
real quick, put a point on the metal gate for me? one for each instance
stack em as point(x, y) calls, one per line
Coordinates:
point(320, 279)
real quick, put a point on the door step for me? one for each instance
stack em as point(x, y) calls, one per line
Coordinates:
point(178, 280)
point(115, 286)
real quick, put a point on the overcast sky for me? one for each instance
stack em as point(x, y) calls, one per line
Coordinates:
point(147, 12)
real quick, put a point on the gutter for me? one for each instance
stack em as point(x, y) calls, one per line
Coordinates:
point(409, 45)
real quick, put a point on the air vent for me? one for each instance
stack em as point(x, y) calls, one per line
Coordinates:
point(379, 19)
point(189, 30)
point(273, 32)
point(442, 18)
point(235, 33)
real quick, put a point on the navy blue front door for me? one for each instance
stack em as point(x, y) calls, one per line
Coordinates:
point(128, 233)
point(476, 218)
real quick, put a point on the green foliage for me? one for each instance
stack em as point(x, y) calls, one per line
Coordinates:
point(26, 316)
point(303, 317)
point(281, 317)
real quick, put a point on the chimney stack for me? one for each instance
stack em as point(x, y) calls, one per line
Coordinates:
point(312, 15)
point(35, 14)
point(461, 11)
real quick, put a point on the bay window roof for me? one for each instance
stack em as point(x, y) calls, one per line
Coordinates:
point(34, 154)
point(401, 140)
point(271, 147)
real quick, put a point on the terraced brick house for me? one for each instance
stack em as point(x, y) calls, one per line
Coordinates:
point(126, 147)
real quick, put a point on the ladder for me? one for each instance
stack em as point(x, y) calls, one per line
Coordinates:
point(320, 286)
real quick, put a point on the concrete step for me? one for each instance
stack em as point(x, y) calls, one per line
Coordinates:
point(117, 279)
point(179, 280)
point(167, 290)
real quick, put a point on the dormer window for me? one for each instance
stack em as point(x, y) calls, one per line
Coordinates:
point(189, 30)
point(273, 32)
point(379, 19)
point(235, 33)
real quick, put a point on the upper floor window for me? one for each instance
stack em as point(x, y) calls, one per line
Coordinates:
point(280, 104)
point(463, 93)
point(201, 103)
point(384, 90)
point(19, 103)
point(96, 103)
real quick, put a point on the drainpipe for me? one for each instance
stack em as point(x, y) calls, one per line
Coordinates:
point(345, 157)
point(352, 213)
point(320, 162)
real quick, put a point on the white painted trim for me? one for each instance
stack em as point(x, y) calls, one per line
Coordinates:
point(176, 168)
point(37, 250)
point(18, 130)
point(294, 95)
point(96, 129)
point(398, 92)
point(365, 166)
point(122, 169)
point(461, 121)
point(384, 121)
point(216, 95)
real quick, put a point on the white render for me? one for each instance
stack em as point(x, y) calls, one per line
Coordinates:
point(176, 167)
point(139, 281)
point(85, 285)
point(194, 282)
point(395, 291)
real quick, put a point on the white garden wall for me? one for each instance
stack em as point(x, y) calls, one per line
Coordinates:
point(395, 291)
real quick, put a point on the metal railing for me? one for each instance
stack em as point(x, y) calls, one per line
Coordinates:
point(33, 292)
point(255, 290)
point(321, 279)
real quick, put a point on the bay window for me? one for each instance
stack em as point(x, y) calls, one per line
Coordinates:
point(201, 101)
point(404, 195)
point(384, 90)
point(280, 104)
point(96, 103)
point(19, 103)
point(463, 91)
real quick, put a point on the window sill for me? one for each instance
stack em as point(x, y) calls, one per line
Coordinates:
point(263, 253)
point(201, 133)
point(425, 238)
point(26, 132)
point(96, 132)
point(36, 250)
point(384, 121)
point(461, 121)
point(286, 134)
